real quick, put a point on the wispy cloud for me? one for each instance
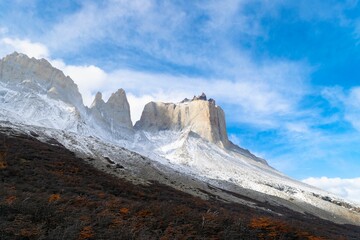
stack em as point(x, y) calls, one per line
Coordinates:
point(346, 188)
point(25, 46)
point(347, 101)
point(352, 104)
point(258, 92)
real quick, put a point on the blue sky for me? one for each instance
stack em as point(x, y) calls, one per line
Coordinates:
point(285, 72)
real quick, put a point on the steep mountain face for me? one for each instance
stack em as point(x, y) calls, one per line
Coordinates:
point(199, 115)
point(184, 145)
point(24, 73)
point(34, 92)
point(114, 115)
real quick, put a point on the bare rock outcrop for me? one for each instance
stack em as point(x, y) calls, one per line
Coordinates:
point(200, 115)
point(30, 74)
point(114, 114)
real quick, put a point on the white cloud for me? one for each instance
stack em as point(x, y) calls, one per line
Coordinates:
point(137, 23)
point(298, 127)
point(352, 105)
point(347, 101)
point(32, 49)
point(137, 105)
point(346, 188)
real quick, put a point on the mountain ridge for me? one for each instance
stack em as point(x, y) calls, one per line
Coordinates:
point(176, 143)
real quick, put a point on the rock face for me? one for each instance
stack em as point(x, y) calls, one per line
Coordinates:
point(45, 97)
point(199, 115)
point(114, 114)
point(29, 74)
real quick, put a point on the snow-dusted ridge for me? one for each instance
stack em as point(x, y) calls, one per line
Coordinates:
point(186, 141)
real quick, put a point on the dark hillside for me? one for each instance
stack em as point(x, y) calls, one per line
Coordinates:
point(48, 193)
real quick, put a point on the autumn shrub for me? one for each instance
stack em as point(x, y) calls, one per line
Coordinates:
point(54, 197)
point(86, 233)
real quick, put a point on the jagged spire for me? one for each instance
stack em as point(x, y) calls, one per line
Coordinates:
point(117, 97)
point(97, 100)
point(114, 114)
point(200, 97)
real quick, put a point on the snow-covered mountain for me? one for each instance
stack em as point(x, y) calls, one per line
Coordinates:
point(184, 144)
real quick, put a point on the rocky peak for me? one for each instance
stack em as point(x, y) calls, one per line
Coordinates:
point(98, 96)
point(118, 98)
point(201, 117)
point(98, 100)
point(113, 115)
point(38, 75)
point(200, 97)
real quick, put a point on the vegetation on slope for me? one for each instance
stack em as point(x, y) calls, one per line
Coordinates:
point(48, 193)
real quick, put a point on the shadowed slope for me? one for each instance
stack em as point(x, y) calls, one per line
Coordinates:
point(46, 192)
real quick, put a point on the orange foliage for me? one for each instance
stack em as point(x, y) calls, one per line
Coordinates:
point(9, 200)
point(315, 238)
point(124, 211)
point(54, 197)
point(86, 233)
point(276, 228)
point(3, 163)
point(262, 222)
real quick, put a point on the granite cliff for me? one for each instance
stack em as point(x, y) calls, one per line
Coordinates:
point(198, 115)
point(113, 115)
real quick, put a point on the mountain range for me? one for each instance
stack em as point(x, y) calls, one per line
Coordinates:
point(182, 145)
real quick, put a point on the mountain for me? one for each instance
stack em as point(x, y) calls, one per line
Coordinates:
point(114, 115)
point(182, 145)
point(115, 112)
point(32, 75)
point(33, 92)
point(200, 116)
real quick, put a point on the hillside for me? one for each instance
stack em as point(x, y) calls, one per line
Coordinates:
point(46, 192)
